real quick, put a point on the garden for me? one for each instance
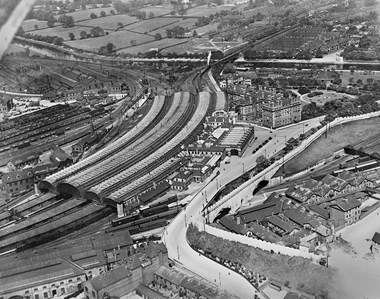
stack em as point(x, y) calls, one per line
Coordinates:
point(258, 265)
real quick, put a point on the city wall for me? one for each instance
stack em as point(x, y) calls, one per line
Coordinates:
point(244, 192)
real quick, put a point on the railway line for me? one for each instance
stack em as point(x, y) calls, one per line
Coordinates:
point(113, 168)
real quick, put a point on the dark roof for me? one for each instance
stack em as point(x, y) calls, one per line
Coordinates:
point(170, 275)
point(324, 213)
point(376, 238)
point(298, 216)
point(346, 204)
point(260, 212)
point(147, 196)
point(59, 155)
point(284, 225)
point(299, 193)
point(262, 233)
point(26, 157)
point(229, 223)
point(334, 182)
point(109, 278)
point(153, 249)
point(148, 292)
point(17, 175)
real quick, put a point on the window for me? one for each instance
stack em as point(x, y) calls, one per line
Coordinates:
point(36, 296)
point(86, 289)
point(46, 295)
point(62, 290)
point(93, 294)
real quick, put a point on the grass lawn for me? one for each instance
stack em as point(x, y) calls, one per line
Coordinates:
point(158, 10)
point(154, 44)
point(325, 97)
point(28, 25)
point(120, 39)
point(109, 22)
point(337, 138)
point(301, 273)
point(205, 10)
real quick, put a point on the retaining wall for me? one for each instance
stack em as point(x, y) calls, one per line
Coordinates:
point(234, 199)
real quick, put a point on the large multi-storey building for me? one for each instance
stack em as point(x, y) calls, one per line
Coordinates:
point(281, 111)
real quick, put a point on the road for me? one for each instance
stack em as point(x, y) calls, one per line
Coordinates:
point(175, 234)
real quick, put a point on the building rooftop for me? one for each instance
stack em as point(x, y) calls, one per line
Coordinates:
point(346, 204)
point(109, 278)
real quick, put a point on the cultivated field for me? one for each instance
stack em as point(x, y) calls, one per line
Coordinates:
point(337, 138)
point(109, 22)
point(120, 39)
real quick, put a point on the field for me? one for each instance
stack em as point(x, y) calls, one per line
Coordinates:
point(154, 44)
point(151, 25)
point(81, 15)
point(63, 32)
point(120, 39)
point(205, 10)
point(158, 10)
point(337, 138)
point(109, 22)
point(28, 25)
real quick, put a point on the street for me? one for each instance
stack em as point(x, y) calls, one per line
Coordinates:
point(175, 234)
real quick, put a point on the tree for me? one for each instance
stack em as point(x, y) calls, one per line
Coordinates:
point(112, 12)
point(83, 35)
point(195, 34)
point(93, 16)
point(172, 13)
point(83, 6)
point(97, 31)
point(151, 15)
point(133, 42)
point(110, 48)
point(103, 14)
point(50, 23)
point(262, 163)
point(71, 36)
point(120, 24)
point(157, 36)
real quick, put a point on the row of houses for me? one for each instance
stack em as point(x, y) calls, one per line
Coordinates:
point(28, 169)
point(308, 214)
point(64, 269)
